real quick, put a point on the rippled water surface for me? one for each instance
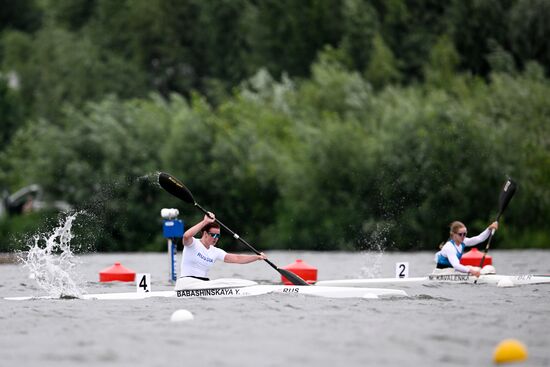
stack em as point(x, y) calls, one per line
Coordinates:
point(439, 325)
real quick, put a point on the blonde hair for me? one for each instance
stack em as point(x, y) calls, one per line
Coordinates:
point(455, 226)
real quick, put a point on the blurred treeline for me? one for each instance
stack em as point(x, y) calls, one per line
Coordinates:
point(310, 124)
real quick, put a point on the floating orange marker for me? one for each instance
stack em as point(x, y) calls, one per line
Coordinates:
point(117, 272)
point(303, 270)
point(473, 258)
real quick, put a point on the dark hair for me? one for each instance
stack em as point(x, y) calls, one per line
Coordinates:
point(207, 227)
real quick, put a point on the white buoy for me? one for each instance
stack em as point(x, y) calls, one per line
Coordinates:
point(505, 283)
point(181, 315)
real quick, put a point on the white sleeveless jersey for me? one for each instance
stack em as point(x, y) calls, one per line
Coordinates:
point(197, 259)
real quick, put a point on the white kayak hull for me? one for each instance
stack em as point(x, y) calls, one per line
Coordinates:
point(193, 283)
point(255, 290)
point(511, 280)
point(245, 291)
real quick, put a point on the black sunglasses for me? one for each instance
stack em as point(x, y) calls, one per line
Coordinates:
point(214, 235)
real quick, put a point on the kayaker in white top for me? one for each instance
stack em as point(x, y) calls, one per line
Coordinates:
point(200, 254)
point(450, 254)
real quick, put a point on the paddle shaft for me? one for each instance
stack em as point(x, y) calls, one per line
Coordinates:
point(505, 196)
point(236, 236)
point(488, 243)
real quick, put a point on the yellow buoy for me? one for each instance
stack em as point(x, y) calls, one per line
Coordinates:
point(510, 350)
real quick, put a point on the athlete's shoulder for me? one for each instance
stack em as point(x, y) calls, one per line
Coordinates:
point(448, 246)
point(218, 250)
point(194, 242)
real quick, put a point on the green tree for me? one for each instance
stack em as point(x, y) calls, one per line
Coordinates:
point(102, 162)
point(11, 110)
point(529, 32)
point(410, 28)
point(288, 34)
point(475, 26)
point(361, 25)
point(382, 69)
point(56, 67)
point(442, 64)
point(23, 15)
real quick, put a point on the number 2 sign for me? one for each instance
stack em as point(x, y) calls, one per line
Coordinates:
point(402, 270)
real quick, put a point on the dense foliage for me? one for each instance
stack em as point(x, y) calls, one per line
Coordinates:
point(303, 124)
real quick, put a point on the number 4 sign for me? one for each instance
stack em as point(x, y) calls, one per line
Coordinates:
point(402, 270)
point(143, 283)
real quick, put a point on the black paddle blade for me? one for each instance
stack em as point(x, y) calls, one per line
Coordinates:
point(175, 187)
point(506, 194)
point(293, 278)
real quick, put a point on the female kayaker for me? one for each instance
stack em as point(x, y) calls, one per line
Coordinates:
point(200, 254)
point(450, 254)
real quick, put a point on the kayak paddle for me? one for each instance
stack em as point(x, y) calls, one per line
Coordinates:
point(175, 187)
point(506, 194)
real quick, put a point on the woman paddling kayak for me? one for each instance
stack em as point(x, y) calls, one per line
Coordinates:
point(450, 254)
point(200, 254)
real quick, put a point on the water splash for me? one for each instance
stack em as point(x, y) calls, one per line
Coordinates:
point(372, 265)
point(374, 247)
point(51, 261)
point(150, 178)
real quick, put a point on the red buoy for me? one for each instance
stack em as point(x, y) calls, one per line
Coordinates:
point(473, 258)
point(303, 270)
point(117, 272)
